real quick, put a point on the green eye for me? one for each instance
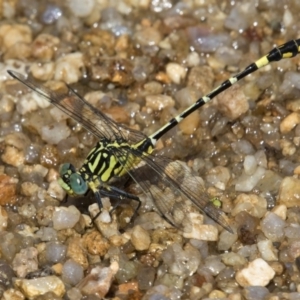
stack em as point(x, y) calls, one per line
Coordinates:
point(65, 168)
point(77, 184)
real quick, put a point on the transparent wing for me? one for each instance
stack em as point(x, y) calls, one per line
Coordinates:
point(83, 112)
point(172, 187)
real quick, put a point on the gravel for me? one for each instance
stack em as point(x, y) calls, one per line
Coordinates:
point(141, 63)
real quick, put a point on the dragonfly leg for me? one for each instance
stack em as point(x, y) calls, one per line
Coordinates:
point(116, 193)
point(122, 195)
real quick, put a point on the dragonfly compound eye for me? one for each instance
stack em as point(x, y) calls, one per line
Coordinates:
point(77, 184)
point(66, 169)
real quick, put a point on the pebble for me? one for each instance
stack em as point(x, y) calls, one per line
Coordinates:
point(250, 164)
point(44, 215)
point(190, 124)
point(68, 68)
point(43, 47)
point(233, 103)
point(56, 191)
point(77, 252)
point(3, 219)
point(197, 230)
point(151, 221)
point(12, 294)
point(27, 210)
point(107, 226)
point(280, 211)
point(219, 177)
point(176, 72)
point(25, 261)
point(148, 36)
point(289, 191)
point(13, 34)
point(140, 238)
point(193, 59)
point(65, 217)
point(289, 122)
point(288, 148)
point(99, 280)
point(200, 78)
point(128, 287)
point(47, 234)
point(33, 288)
point(292, 231)
point(6, 273)
point(29, 189)
point(256, 293)
point(257, 273)
point(95, 243)
point(216, 294)
point(55, 252)
point(145, 277)
point(233, 259)
point(293, 250)
point(12, 156)
point(81, 8)
point(255, 205)
point(8, 189)
point(181, 262)
point(55, 132)
point(267, 250)
point(273, 227)
point(159, 102)
point(226, 240)
point(246, 183)
point(44, 72)
point(72, 272)
point(162, 292)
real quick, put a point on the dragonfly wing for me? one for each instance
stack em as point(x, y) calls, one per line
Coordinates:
point(82, 111)
point(173, 188)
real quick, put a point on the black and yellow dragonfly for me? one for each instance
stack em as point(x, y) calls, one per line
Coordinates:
point(121, 150)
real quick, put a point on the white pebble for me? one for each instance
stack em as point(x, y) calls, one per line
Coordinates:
point(81, 8)
point(193, 59)
point(65, 217)
point(98, 281)
point(195, 229)
point(175, 72)
point(246, 183)
point(68, 68)
point(258, 273)
point(55, 132)
point(56, 191)
point(105, 217)
point(250, 164)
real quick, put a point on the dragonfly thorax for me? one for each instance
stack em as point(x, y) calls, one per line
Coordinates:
point(71, 180)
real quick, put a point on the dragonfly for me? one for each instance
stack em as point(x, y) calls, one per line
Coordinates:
point(121, 150)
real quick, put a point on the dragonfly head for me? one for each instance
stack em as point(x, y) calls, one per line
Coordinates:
point(71, 181)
